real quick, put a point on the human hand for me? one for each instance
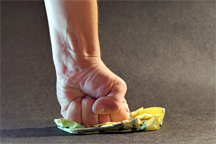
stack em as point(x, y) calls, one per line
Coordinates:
point(92, 95)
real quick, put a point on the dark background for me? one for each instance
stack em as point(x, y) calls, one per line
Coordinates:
point(164, 50)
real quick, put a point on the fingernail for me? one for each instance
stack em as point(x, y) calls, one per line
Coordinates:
point(100, 109)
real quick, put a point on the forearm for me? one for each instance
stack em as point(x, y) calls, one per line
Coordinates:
point(73, 29)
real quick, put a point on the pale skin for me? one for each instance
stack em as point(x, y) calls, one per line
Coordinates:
point(87, 91)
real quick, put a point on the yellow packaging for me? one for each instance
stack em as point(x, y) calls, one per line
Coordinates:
point(141, 120)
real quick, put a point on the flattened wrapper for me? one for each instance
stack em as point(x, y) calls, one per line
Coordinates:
point(140, 120)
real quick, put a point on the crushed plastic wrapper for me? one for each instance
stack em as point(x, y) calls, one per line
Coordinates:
point(140, 120)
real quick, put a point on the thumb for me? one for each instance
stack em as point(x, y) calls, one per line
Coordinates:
point(112, 103)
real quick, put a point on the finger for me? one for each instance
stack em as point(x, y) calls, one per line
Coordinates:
point(74, 111)
point(66, 95)
point(103, 118)
point(88, 117)
point(122, 115)
point(113, 101)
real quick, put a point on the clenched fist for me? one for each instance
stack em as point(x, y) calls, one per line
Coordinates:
point(88, 92)
point(92, 95)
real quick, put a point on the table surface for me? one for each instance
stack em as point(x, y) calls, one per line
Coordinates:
point(165, 51)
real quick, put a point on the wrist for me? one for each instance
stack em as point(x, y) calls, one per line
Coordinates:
point(72, 52)
point(68, 66)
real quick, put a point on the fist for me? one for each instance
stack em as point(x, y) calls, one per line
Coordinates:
point(92, 95)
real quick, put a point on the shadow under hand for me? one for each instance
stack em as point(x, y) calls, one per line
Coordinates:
point(33, 132)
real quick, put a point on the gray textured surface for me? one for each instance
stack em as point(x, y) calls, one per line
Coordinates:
point(165, 51)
